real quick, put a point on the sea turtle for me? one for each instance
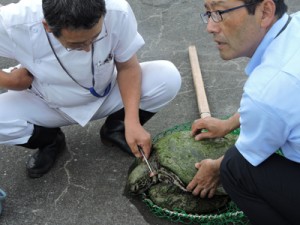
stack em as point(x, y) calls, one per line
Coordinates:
point(173, 158)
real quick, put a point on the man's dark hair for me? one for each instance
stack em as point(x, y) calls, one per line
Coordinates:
point(281, 7)
point(72, 14)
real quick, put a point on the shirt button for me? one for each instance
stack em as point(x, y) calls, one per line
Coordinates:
point(34, 30)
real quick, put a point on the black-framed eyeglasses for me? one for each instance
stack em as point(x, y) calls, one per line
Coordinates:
point(80, 47)
point(217, 15)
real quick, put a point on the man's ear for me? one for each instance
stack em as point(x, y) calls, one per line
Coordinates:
point(268, 8)
point(46, 26)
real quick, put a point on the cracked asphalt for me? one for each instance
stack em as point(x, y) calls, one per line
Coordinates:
point(86, 185)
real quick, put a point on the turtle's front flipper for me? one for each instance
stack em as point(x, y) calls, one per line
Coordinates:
point(168, 177)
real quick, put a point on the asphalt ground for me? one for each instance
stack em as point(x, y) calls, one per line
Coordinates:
point(86, 185)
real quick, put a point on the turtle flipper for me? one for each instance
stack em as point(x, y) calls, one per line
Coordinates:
point(169, 177)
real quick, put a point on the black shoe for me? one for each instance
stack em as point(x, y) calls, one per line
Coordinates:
point(112, 133)
point(43, 159)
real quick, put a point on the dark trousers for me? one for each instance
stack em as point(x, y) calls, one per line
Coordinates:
point(268, 193)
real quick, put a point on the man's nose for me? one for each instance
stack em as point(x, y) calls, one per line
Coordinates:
point(212, 26)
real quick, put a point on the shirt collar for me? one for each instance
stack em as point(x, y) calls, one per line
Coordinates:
point(269, 37)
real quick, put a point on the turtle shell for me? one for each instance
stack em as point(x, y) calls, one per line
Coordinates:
point(173, 156)
point(178, 152)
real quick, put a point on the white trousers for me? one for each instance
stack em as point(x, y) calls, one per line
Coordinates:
point(20, 110)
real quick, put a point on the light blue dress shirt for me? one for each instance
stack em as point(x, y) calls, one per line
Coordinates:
point(270, 105)
point(2, 198)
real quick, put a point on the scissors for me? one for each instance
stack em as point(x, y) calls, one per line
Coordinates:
point(152, 172)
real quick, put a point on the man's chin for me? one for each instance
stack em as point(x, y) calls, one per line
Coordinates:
point(225, 56)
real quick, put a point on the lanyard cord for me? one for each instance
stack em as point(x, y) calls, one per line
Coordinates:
point(63, 67)
point(91, 89)
point(286, 24)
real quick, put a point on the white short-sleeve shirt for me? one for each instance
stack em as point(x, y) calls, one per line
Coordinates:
point(24, 39)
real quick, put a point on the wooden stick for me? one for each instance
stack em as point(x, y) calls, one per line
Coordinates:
point(198, 83)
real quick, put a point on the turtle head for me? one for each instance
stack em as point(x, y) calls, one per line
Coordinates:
point(139, 180)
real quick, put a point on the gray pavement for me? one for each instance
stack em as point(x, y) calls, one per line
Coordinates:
point(86, 185)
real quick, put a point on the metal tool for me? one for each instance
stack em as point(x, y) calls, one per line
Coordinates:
point(152, 172)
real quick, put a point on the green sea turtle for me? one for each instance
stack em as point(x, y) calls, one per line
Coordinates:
point(173, 158)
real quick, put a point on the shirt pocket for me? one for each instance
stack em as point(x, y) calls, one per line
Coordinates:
point(104, 73)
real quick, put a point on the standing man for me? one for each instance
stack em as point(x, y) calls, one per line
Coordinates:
point(262, 183)
point(82, 56)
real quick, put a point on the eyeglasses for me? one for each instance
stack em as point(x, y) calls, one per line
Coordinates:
point(217, 15)
point(80, 47)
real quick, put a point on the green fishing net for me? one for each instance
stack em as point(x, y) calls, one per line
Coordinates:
point(229, 214)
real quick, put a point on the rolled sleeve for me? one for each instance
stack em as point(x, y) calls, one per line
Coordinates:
point(130, 41)
point(6, 45)
point(262, 132)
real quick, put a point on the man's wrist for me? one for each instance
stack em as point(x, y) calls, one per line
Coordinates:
point(233, 122)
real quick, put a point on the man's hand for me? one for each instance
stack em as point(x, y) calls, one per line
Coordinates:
point(137, 135)
point(16, 79)
point(215, 127)
point(207, 179)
